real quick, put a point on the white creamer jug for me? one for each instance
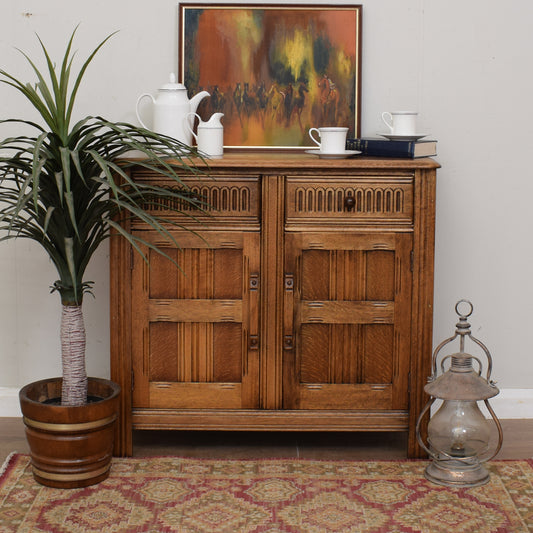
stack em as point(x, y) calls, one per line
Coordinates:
point(210, 137)
point(170, 108)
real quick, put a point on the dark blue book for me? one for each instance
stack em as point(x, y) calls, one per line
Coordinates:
point(385, 148)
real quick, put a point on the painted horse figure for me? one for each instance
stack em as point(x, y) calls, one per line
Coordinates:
point(275, 98)
point(299, 103)
point(237, 99)
point(329, 99)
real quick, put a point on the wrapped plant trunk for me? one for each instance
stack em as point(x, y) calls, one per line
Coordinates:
point(74, 388)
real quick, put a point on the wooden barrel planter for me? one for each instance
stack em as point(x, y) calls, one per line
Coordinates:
point(70, 447)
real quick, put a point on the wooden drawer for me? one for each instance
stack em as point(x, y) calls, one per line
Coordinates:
point(229, 201)
point(349, 201)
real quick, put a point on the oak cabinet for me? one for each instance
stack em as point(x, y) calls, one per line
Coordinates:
point(303, 300)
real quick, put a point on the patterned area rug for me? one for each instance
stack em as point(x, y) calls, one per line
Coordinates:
point(168, 494)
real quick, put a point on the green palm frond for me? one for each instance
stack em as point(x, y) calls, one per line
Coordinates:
point(68, 188)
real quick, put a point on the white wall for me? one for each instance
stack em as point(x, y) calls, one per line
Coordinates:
point(465, 66)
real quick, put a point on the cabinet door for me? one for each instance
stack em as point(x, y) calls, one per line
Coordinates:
point(347, 310)
point(195, 328)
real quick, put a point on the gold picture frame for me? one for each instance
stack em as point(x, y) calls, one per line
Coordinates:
point(273, 70)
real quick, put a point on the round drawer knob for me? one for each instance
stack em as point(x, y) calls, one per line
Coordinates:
point(349, 203)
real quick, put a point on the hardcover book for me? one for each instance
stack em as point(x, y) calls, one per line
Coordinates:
point(386, 148)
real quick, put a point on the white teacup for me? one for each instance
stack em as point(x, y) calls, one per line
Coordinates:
point(400, 122)
point(332, 139)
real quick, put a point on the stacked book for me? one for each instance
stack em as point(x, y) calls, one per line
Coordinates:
point(393, 148)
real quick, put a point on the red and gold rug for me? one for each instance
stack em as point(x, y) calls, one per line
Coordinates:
point(169, 494)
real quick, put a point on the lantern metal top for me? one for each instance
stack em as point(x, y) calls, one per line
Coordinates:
point(461, 381)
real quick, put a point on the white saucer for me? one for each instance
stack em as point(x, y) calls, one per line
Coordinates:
point(341, 155)
point(393, 137)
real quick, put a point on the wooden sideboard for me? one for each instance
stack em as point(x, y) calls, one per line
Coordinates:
point(304, 300)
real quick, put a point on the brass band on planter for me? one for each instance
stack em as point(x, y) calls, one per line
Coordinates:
point(68, 428)
point(79, 476)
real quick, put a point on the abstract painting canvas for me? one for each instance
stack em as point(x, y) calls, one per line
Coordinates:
point(274, 71)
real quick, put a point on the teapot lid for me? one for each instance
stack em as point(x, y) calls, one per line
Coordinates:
point(172, 85)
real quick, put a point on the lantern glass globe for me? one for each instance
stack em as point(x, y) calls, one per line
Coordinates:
point(459, 429)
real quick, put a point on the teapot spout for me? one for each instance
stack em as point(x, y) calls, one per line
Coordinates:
point(195, 100)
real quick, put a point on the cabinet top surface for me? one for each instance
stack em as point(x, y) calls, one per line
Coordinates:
point(288, 160)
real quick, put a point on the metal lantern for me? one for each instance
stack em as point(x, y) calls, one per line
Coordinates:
point(458, 433)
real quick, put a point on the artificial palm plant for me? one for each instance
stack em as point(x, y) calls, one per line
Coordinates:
point(67, 188)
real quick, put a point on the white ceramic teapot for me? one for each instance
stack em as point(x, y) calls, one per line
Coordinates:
point(170, 108)
point(210, 137)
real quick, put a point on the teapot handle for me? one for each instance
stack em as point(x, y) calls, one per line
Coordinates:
point(189, 125)
point(144, 95)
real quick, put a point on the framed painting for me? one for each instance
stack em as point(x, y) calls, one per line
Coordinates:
point(273, 70)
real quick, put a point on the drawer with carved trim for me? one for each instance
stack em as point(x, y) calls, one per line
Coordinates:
point(360, 200)
point(233, 200)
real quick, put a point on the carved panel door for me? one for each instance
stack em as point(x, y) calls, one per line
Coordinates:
point(347, 310)
point(195, 330)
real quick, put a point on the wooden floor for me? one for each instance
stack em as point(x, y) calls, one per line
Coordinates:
point(517, 444)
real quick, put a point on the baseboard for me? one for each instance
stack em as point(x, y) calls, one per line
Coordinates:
point(9, 402)
point(513, 403)
point(510, 403)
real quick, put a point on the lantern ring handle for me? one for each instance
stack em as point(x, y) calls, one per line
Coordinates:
point(464, 315)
